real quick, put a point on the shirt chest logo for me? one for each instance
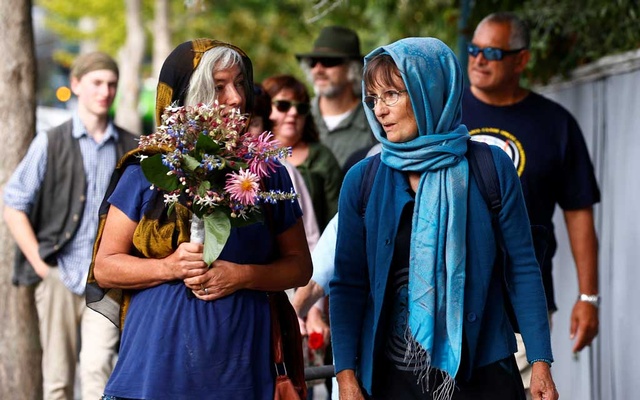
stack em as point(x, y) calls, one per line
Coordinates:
point(504, 140)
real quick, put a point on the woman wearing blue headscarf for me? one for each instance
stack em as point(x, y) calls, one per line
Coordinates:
point(417, 310)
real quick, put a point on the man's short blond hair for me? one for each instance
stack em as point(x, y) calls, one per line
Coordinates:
point(93, 61)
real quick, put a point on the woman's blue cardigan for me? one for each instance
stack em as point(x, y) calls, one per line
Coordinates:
point(361, 273)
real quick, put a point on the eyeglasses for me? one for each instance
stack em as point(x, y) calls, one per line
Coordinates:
point(390, 98)
point(490, 53)
point(327, 62)
point(285, 105)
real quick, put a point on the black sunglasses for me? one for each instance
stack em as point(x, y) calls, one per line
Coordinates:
point(490, 53)
point(326, 62)
point(285, 105)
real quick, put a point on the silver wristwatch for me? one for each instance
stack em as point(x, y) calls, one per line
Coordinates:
point(593, 299)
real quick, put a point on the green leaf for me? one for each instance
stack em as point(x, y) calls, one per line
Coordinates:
point(204, 188)
point(206, 145)
point(190, 163)
point(156, 173)
point(216, 232)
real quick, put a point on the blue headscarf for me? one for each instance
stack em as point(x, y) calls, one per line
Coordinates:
point(434, 82)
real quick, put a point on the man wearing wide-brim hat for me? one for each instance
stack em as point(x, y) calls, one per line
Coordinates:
point(334, 68)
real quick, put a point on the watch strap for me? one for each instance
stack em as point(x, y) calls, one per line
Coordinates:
point(593, 299)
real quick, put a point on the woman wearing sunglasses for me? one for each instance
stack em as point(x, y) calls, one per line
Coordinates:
point(259, 123)
point(417, 306)
point(293, 126)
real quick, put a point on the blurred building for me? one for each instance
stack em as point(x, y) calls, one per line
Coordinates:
point(51, 75)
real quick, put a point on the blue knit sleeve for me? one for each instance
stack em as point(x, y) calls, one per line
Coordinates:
point(349, 287)
point(522, 272)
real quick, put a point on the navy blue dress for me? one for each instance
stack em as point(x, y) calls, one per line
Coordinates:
point(179, 347)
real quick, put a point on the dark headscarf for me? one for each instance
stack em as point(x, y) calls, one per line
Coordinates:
point(154, 237)
point(262, 106)
point(180, 65)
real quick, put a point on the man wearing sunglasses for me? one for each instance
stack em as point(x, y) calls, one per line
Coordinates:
point(334, 68)
point(549, 153)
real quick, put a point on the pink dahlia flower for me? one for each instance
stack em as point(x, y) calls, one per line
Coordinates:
point(243, 186)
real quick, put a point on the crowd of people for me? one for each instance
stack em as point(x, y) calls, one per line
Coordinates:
point(393, 255)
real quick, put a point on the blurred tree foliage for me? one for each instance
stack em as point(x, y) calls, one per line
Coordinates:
point(63, 18)
point(566, 33)
point(272, 32)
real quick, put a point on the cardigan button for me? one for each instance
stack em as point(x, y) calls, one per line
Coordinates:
point(471, 317)
point(76, 217)
point(387, 242)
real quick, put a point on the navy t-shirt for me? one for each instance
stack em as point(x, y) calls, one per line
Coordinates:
point(176, 346)
point(549, 152)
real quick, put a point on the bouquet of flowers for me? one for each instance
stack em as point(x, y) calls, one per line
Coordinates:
point(202, 159)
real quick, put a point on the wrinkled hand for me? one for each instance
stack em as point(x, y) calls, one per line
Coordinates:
point(218, 281)
point(584, 325)
point(542, 385)
point(187, 261)
point(348, 386)
point(351, 393)
point(316, 323)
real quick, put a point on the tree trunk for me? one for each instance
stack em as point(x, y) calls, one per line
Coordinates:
point(161, 36)
point(20, 353)
point(131, 55)
point(87, 26)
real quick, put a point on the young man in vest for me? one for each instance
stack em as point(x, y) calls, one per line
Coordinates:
point(334, 68)
point(51, 209)
point(548, 150)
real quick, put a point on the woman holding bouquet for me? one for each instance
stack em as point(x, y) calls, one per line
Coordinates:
point(190, 330)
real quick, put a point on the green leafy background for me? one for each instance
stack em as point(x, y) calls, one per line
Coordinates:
point(566, 33)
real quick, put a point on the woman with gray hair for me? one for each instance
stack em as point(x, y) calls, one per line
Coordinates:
point(207, 341)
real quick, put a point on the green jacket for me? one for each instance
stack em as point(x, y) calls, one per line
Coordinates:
point(323, 177)
point(350, 135)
